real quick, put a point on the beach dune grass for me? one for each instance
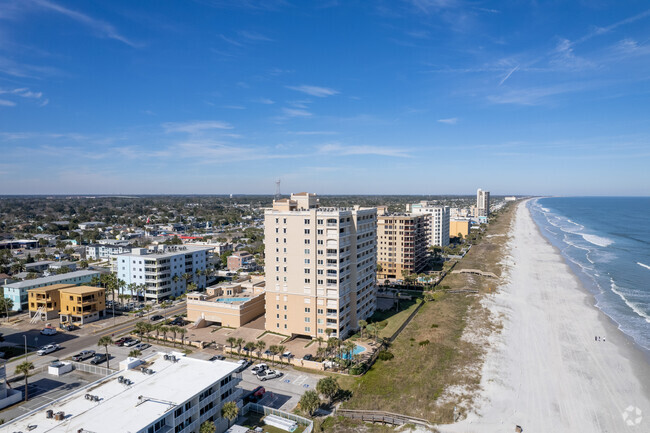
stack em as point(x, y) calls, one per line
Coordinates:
point(414, 381)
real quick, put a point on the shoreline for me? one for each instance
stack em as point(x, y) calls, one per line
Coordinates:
point(544, 370)
point(590, 287)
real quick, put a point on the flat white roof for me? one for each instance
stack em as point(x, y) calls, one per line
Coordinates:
point(171, 384)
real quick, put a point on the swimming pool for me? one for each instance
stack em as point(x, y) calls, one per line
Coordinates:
point(231, 300)
point(357, 350)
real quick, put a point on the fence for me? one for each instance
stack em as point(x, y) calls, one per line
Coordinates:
point(90, 368)
point(265, 410)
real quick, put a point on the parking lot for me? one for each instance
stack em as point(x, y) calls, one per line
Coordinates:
point(284, 392)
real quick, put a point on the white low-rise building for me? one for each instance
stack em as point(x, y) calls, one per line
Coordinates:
point(169, 393)
point(163, 272)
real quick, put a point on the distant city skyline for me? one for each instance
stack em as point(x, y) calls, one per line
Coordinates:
point(424, 97)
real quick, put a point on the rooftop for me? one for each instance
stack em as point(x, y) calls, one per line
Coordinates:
point(51, 279)
point(129, 408)
point(51, 288)
point(80, 290)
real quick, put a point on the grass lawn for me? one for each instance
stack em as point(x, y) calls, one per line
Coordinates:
point(430, 355)
point(396, 320)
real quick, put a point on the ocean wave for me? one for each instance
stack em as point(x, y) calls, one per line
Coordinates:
point(630, 304)
point(643, 265)
point(545, 209)
point(597, 240)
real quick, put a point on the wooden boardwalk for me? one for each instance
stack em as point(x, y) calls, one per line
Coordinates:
point(475, 272)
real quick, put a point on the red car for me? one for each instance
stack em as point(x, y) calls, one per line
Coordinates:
point(122, 341)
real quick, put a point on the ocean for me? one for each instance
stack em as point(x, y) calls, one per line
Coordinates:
point(606, 241)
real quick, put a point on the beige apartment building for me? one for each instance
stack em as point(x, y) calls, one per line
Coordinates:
point(227, 304)
point(320, 267)
point(401, 245)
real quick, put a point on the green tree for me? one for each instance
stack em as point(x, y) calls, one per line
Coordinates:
point(362, 325)
point(240, 342)
point(232, 341)
point(309, 402)
point(106, 341)
point(250, 347)
point(229, 410)
point(260, 345)
point(6, 304)
point(23, 368)
point(207, 427)
point(135, 353)
point(328, 387)
point(164, 330)
point(274, 351)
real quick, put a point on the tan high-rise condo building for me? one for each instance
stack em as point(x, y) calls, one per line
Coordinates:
point(401, 245)
point(482, 203)
point(320, 267)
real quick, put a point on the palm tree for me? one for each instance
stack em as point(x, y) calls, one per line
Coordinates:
point(148, 309)
point(320, 340)
point(174, 330)
point(281, 350)
point(310, 401)
point(95, 281)
point(274, 351)
point(250, 347)
point(106, 341)
point(232, 341)
point(134, 353)
point(156, 327)
point(261, 345)
point(140, 328)
point(362, 325)
point(240, 342)
point(229, 410)
point(182, 331)
point(207, 427)
point(164, 330)
point(23, 368)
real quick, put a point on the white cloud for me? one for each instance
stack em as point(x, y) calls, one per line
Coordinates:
point(196, 126)
point(320, 92)
point(102, 28)
point(254, 36)
point(294, 112)
point(312, 132)
point(6, 103)
point(343, 150)
point(266, 101)
point(450, 121)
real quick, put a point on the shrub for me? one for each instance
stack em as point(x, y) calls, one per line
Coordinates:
point(424, 343)
point(433, 325)
point(385, 355)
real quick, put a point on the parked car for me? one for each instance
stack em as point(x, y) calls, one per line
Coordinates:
point(139, 314)
point(243, 363)
point(48, 349)
point(142, 346)
point(259, 367)
point(122, 341)
point(156, 317)
point(269, 374)
point(255, 395)
point(131, 343)
point(84, 354)
point(268, 353)
point(307, 357)
point(287, 355)
point(99, 358)
point(48, 331)
point(178, 322)
point(217, 358)
point(68, 326)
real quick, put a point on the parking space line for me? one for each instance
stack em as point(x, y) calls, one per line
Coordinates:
point(300, 380)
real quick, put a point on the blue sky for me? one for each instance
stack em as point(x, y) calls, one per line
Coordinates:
point(395, 97)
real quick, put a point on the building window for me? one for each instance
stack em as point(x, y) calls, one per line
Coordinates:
point(307, 320)
point(306, 231)
point(306, 261)
point(307, 309)
point(306, 221)
point(307, 329)
point(307, 280)
point(307, 242)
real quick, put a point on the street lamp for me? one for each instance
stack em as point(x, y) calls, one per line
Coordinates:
point(25, 337)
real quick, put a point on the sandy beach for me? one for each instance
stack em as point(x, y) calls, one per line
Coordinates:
point(544, 371)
